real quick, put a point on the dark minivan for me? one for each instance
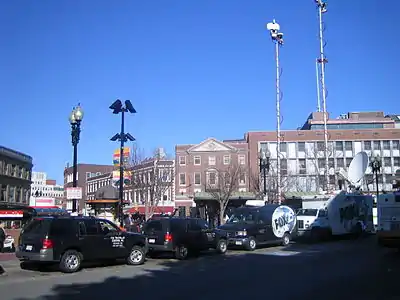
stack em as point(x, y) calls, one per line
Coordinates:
point(182, 237)
point(251, 226)
point(70, 240)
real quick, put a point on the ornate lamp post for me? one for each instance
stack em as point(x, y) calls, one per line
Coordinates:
point(75, 120)
point(376, 165)
point(264, 157)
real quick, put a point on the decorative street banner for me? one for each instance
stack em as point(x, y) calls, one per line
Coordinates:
point(127, 177)
point(126, 156)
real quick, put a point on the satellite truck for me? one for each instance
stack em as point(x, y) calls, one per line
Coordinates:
point(388, 206)
point(340, 213)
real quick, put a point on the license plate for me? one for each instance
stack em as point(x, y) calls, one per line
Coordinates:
point(238, 242)
point(152, 241)
point(28, 248)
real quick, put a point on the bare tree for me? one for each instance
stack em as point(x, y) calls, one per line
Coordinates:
point(316, 155)
point(151, 179)
point(221, 184)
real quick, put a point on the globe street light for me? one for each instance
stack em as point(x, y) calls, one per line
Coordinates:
point(75, 120)
point(264, 157)
point(376, 165)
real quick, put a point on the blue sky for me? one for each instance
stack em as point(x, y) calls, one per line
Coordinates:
point(192, 69)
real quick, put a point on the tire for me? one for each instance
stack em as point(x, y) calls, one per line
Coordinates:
point(222, 246)
point(137, 256)
point(181, 252)
point(70, 261)
point(286, 239)
point(252, 244)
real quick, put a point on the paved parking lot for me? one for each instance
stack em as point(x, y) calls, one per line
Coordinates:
point(343, 268)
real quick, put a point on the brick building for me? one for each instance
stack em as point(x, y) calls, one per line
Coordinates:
point(85, 171)
point(302, 161)
point(197, 166)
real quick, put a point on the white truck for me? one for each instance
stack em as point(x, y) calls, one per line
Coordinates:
point(339, 214)
point(388, 229)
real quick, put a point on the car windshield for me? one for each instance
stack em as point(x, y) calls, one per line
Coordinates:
point(241, 217)
point(308, 212)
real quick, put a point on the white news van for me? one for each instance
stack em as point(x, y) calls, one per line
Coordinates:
point(339, 214)
point(388, 229)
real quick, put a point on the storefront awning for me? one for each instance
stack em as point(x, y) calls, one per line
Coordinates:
point(157, 210)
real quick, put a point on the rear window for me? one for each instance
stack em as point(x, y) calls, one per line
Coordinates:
point(154, 226)
point(62, 228)
point(37, 226)
point(178, 225)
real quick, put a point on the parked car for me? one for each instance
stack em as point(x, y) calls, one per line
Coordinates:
point(182, 237)
point(68, 241)
point(9, 244)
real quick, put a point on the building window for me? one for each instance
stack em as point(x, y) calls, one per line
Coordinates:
point(320, 146)
point(283, 147)
point(331, 162)
point(212, 178)
point(88, 175)
point(348, 145)
point(3, 193)
point(242, 178)
point(321, 163)
point(387, 161)
point(227, 159)
point(340, 162)
point(242, 160)
point(283, 166)
point(396, 145)
point(182, 160)
point(339, 146)
point(302, 166)
point(332, 179)
point(197, 160)
point(377, 145)
point(348, 162)
point(386, 145)
point(182, 179)
point(211, 160)
point(396, 161)
point(301, 147)
point(367, 145)
point(18, 195)
point(197, 178)
point(11, 194)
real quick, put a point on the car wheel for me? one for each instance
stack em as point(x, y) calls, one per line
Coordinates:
point(222, 246)
point(137, 256)
point(252, 244)
point(181, 252)
point(70, 261)
point(285, 239)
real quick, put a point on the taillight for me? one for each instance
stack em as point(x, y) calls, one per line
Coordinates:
point(47, 244)
point(168, 237)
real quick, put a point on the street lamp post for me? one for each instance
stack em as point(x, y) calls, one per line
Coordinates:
point(376, 165)
point(122, 137)
point(75, 120)
point(264, 167)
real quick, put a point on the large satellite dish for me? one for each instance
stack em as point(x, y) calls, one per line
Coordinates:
point(357, 168)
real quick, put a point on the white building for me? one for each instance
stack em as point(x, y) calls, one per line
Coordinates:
point(44, 191)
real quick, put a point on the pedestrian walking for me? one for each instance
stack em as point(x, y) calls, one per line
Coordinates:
point(2, 236)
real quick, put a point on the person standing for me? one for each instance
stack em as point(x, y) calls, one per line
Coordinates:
point(2, 236)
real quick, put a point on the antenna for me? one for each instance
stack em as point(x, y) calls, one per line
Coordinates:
point(277, 38)
point(358, 167)
point(321, 5)
point(318, 88)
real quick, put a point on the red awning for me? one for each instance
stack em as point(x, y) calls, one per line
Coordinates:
point(34, 207)
point(11, 214)
point(181, 203)
point(157, 210)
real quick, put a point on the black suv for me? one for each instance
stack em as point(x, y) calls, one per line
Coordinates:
point(182, 236)
point(70, 240)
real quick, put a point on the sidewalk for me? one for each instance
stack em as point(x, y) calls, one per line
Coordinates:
point(7, 256)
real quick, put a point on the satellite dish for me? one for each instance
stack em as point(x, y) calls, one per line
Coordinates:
point(273, 26)
point(357, 168)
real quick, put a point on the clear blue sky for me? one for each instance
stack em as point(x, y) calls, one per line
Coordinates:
point(192, 69)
